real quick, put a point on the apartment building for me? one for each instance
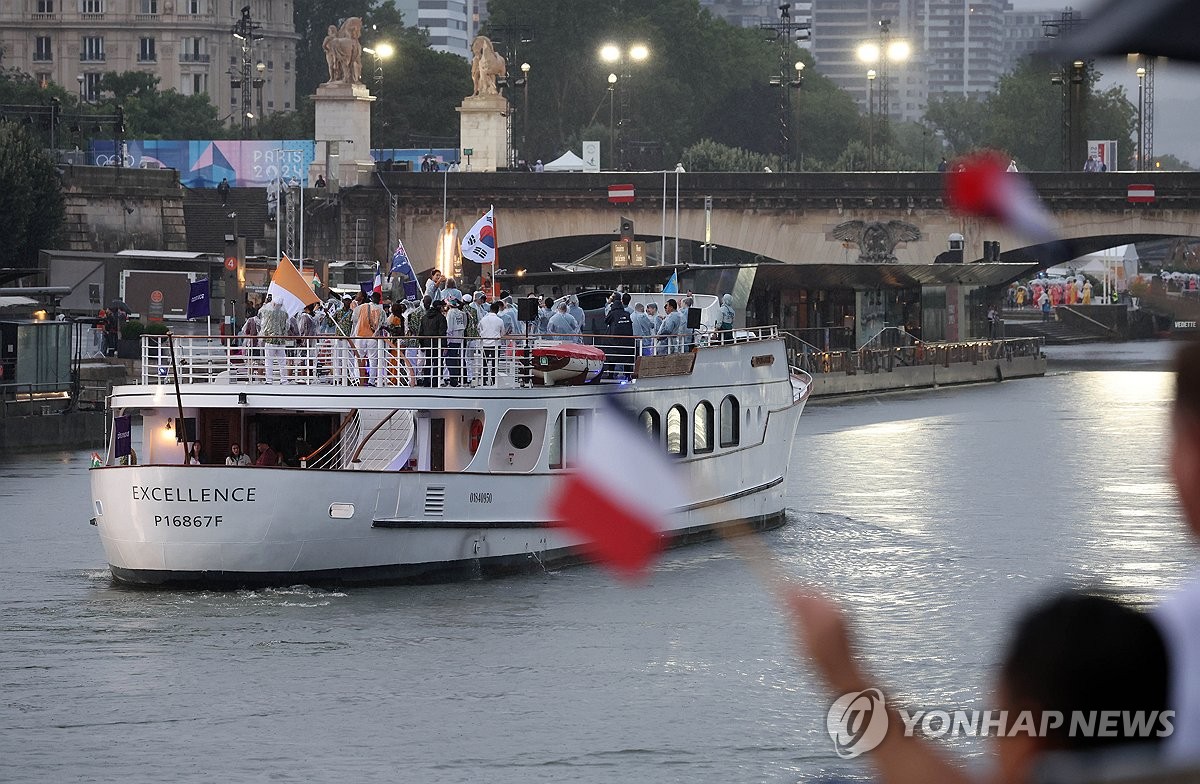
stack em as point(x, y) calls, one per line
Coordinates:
point(451, 24)
point(954, 47)
point(188, 44)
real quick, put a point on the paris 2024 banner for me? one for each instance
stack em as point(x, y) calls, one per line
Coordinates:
point(203, 164)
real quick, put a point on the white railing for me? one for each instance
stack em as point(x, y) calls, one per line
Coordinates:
point(399, 362)
point(388, 446)
point(338, 450)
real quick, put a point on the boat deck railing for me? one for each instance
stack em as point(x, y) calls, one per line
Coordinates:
point(401, 362)
point(880, 357)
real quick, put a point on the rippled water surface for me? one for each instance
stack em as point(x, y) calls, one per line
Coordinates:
point(934, 516)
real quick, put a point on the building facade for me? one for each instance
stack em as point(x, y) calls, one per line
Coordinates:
point(451, 24)
point(955, 47)
point(188, 44)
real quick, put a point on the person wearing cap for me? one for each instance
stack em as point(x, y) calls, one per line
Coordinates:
point(345, 369)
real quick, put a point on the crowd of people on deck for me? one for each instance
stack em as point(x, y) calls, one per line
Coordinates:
point(448, 337)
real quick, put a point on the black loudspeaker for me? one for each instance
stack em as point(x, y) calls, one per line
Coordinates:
point(693, 318)
point(527, 309)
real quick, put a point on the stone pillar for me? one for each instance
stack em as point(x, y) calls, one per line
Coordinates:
point(343, 134)
point(483, 124)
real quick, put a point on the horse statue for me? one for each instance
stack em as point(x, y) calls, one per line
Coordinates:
point(343, 54)
point(486, 66)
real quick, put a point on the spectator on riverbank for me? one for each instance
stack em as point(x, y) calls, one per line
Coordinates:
point(1059, 663)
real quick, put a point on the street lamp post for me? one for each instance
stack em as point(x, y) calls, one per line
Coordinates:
point(614, 54)
point(379, 52)
point(871, 118)
point(1141, 119)
point(678, 171)
point(612, 126)
point(525, 68)
point(787, 31)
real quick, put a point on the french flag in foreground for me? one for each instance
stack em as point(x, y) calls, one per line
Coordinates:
point(619, 493)
point(980, 185)
point(377, 284)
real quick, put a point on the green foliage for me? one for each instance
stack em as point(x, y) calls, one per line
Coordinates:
point(151, 113)
point(1023, 118)
point(156, 328)
point(828, 120)
point(709, 156)
point(298, 124)
point(132, 330)
point(31, 201)
point(703, 78)
point(420, 90)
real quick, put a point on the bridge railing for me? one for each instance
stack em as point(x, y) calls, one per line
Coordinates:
point(883, 360)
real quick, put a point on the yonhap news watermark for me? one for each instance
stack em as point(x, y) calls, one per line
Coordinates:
point(859, 721)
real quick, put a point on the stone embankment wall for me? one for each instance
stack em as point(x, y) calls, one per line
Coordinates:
point(111, 209)
point(829, 384)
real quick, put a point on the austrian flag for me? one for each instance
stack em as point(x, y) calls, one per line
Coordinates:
point(620, 493)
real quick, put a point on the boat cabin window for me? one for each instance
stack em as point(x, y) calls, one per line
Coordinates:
point(677, 431)
point(730, 430)
point(570, 426)
point(652, 423)
point(702, 428)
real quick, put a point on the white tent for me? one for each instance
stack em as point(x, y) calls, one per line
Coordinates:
point(569, 161)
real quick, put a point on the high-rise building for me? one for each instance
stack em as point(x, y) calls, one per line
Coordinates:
point(955, 46)
point(188, 44)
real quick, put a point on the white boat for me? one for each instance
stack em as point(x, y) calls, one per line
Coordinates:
point(401, 483)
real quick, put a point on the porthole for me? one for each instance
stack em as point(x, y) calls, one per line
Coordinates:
point(520, 436)
point(341, 511)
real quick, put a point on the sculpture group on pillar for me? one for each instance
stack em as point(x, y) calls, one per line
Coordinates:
point(343, 53)
point(486, 66)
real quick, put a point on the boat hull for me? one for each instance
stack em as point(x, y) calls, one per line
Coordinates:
point(422, 573)
point(487, 513)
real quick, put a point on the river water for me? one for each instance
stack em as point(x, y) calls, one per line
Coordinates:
point(934, 516)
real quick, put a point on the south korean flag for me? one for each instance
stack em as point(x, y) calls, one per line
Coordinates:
point(479, 245)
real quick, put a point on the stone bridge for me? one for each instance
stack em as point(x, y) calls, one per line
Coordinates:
point(796, 218)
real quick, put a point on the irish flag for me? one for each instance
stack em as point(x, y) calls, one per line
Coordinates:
point(619, 492)
point(289, 288)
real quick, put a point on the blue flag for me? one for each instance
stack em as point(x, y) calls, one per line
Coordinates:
point(122, 436)
point(198, 300)
point(672, 284)
point(401, 265)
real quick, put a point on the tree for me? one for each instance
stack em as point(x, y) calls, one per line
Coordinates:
point(420, 90)
point(703, 78)
point(151, 113)
point(709, 156)
point(31, 201)
point(1024, 117)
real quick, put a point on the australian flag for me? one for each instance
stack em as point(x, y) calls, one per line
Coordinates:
point(401, 264)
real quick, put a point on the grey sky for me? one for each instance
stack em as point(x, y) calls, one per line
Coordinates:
point(1176, 99)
